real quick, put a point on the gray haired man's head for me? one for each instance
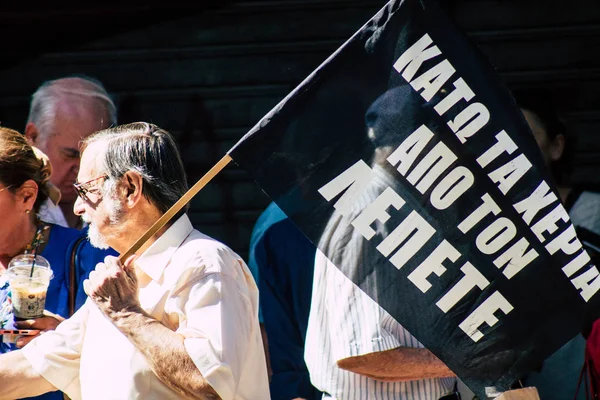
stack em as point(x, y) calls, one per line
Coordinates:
point(62, 113)
point(78, 92)
point(148, 150)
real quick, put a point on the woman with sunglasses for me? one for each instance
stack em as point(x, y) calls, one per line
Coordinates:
point(24, 187)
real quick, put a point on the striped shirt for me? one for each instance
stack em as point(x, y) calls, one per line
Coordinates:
point(345, 322)
point(585, 211)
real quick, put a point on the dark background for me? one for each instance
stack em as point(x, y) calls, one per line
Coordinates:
point(208, 71)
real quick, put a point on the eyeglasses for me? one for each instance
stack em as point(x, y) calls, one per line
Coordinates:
point(84, 188)
point(5, 188)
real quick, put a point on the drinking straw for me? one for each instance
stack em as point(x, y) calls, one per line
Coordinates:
point(36, 245)
point(33, 262)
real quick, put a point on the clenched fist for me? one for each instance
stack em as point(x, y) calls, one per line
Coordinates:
point(113, 286)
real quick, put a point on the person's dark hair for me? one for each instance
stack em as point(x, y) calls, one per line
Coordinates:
point(148, 150)
point(20, 162)
point(540, 103)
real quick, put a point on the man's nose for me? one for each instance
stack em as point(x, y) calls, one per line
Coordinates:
point(78, 208)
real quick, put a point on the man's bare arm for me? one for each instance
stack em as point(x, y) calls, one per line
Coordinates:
point(114, 289)
point(165, 352)
point(19, 379)
point(399, 364)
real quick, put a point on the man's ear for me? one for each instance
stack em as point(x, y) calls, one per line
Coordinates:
point(31, 133)
point(557, 147)
point(27, 194)
point(133, 184)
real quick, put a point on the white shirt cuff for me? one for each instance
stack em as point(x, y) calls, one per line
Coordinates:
point(216, 373)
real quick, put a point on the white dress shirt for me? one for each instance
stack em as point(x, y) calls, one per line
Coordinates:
point(52, 214)
point(200, 289)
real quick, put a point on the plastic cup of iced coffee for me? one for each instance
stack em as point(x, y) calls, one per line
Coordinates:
point(28, 290)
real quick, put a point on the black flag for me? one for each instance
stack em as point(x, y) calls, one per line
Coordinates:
point(469, 246)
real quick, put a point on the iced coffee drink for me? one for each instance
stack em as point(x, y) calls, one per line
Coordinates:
point(28, 288)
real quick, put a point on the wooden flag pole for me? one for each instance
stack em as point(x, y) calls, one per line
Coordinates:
point(175, 208)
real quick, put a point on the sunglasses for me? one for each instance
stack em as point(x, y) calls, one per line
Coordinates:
point(84, 188)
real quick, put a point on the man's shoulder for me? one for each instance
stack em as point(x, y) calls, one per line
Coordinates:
point(204, 241)
point(585, 211)
point(590, 196)
point(207, 253)
point(269, 217)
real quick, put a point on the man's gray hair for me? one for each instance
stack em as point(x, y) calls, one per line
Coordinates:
point(148, 150)
point(47, 97)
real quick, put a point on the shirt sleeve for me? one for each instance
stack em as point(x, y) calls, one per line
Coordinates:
point(214, 317)
point(55, 355)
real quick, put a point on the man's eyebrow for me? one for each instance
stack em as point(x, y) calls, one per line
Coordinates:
point(71, 152)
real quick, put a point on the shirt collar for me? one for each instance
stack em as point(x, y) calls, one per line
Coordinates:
point(155, 259)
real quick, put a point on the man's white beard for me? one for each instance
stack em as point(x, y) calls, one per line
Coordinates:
point(115, 215)
point(96, 238)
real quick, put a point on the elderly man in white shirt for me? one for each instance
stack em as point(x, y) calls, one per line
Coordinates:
point(180, 321)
